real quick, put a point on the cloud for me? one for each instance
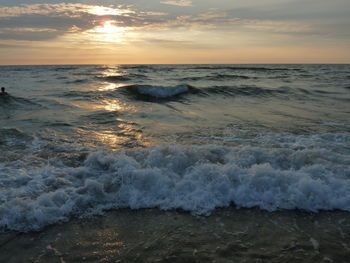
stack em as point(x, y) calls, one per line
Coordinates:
point(208, 19)
point(170, 43)
point(49, 21)
point(67, 18)
point(11, 46)
point(63, 9)
point(277, 26)
point(31, 36)
point(177, 2)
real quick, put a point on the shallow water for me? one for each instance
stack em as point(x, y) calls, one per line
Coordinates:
point(80, 140)
point(228, 235)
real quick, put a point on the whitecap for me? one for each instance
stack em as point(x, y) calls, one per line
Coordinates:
point(283, 172)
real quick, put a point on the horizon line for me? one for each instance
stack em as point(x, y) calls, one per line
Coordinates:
point(93, 64)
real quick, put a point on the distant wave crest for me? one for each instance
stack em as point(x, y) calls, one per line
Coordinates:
point(157, 92)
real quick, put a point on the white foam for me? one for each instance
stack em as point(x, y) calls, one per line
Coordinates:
point(162, 91)
point(283, 172)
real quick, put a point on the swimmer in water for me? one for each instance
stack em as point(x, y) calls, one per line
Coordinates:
point(3, 92)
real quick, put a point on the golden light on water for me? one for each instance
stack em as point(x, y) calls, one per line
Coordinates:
point(113, 72)
point(125, 134)
point(111, 139)
point(113, 105)
point(109, 87)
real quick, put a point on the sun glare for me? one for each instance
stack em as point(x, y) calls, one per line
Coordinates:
point(108, 32)
point(109, 27)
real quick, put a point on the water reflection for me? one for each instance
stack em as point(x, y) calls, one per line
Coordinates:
point(115, 71)
point(112, 105)
point(110, 138)
point(108, 87)
point(125, 135)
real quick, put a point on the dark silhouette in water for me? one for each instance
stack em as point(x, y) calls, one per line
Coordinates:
point(3, 92)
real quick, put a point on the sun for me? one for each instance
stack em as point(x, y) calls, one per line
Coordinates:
point(109, 27)
point(108, 31)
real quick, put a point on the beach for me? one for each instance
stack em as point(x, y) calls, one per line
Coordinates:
point(228, 235)
point(175, 163)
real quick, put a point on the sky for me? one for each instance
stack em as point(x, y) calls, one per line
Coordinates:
point(174, 31)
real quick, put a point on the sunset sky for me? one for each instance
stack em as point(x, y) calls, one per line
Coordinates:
point(174, 31)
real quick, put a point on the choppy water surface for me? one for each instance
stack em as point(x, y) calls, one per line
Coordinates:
point(79, 140)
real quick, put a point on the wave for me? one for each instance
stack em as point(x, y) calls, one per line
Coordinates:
point(149, 92)
point(65, 68)
point(157, 92)
point(19, 68)
point(169, 92)
point(273, 172)
point(102, 117)
point(57, 124)
point(245, 91)
point(83, 95)
point(114, 78)
point(144, 66)
point(143, 92)
point(77, 81)
point(217, 77)
point(127, 77)
point(14, 138)
point(248, 68)
point(12, 102)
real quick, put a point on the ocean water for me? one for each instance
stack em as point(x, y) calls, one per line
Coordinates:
point(80, 140)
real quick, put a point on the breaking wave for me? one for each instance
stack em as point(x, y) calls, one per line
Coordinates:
point(284, 172)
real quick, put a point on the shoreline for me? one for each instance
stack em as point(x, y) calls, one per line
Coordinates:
point(152, 235)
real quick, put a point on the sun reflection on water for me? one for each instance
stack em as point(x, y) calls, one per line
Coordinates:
point(124, 135)
point(108, 87)
point(113, 105)
point(114, 72)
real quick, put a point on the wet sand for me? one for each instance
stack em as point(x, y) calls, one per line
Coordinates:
point(151, 235)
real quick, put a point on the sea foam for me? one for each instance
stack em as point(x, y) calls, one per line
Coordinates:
point(284, 172)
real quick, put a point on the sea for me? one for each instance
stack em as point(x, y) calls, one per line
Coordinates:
point(80, 140)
